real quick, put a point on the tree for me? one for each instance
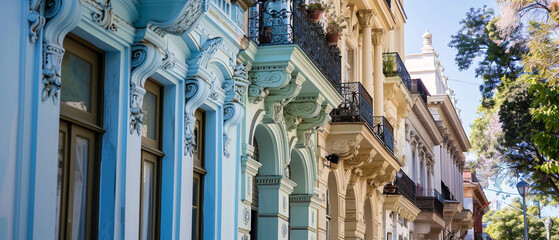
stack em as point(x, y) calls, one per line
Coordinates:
point(516, 67)
point(508, 223)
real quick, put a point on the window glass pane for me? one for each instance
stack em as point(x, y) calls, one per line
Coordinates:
point(61, 150)
point(147, 202)
point(149, 108)
point(76, 82)
point(80, 188)
point(195, 192)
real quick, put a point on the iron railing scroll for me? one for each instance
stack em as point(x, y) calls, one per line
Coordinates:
point(357, 105)
point(279, 22)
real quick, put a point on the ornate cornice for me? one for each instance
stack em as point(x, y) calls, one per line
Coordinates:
point(105, 19)
point(62, 17)
point(146, 59)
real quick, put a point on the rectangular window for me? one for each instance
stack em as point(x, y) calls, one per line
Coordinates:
point(198, 176)
point(347, 65)
point(79, 137)
point(150, 190)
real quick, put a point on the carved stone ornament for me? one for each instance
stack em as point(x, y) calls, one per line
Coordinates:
point(105, 19)
point(232, 115)
point(236, 87)
point(198, 87)
point(146, 59)
point(36, 21)
point(184, 21)
point(378, 36)
point(366, 18)
point(264, 78)
point(279, 98)
point(169, 60)
point(61, 19)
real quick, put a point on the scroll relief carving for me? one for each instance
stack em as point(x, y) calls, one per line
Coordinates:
point(36, 21)
point(61, 19)
point(105, 19)
point(234, 108)
point(146, 59)
point(198, 87)
point(185, 21)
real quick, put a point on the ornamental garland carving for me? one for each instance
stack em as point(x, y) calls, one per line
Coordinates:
point(105, 19)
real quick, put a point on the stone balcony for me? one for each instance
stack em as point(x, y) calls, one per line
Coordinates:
point(400, 196)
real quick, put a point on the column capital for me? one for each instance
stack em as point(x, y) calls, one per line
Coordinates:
point(366, 18)
point(378, 35)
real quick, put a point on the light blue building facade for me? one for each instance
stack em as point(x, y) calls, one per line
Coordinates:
point(122, 118)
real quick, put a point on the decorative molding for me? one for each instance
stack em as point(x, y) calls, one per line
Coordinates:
point(378, 36)
point(105, 19)
point(146, 59)
point(36, 21)
point(62, 17)
point(263, 79)
point(198, 87)
point(345, 148)
point(366, 18)
point(233, 111)
point(169, 60)
point(279, 98)
point(185, 21)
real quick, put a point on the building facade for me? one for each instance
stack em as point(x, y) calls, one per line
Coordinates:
point(225, 119)
point(475, 199)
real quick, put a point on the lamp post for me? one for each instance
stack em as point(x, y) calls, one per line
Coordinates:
point(522, 187)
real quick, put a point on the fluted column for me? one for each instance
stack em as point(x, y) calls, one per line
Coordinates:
point(378, 38)
point(366, 19)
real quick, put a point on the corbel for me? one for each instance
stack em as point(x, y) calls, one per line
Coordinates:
point(365, 156)
point(264, 78)
point(199, 85)
point(61, 17)
point(184, 21)
point(278, 98)
point(233, 110)
point(345, 148)
point(146, 59)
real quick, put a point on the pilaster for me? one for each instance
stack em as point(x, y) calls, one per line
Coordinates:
point(304, 216)
point(273, 206)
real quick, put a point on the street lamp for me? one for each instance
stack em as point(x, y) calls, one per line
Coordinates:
point(522, 187)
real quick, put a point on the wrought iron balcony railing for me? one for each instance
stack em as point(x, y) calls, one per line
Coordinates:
point(429, 204)
point(279, 22)
point(430, 200)
point(403, 185)
point(385, 131)
point(446, 192)
point(394, 66)
point(417, 86)
point(356, 107)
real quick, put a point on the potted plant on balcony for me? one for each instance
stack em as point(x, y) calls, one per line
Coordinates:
point(315, 10)
point(336, 24)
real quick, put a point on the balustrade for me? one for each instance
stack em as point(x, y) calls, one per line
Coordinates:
point(403, 185)
point(384, 130)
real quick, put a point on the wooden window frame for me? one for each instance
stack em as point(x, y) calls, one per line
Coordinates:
point(151, 152)
point(76, 123)
point(198, 173)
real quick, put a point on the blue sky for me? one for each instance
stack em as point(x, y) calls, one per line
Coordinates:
point(442, 18)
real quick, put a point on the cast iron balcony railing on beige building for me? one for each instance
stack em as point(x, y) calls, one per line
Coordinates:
point(416, 86)
point(403, 185)
point(429, 200)
point(285, 22)
point(358, 107)
point(394, 66)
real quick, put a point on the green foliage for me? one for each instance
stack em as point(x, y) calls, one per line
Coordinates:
point(479, 37)
point(508, 223)
point(517, 129)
